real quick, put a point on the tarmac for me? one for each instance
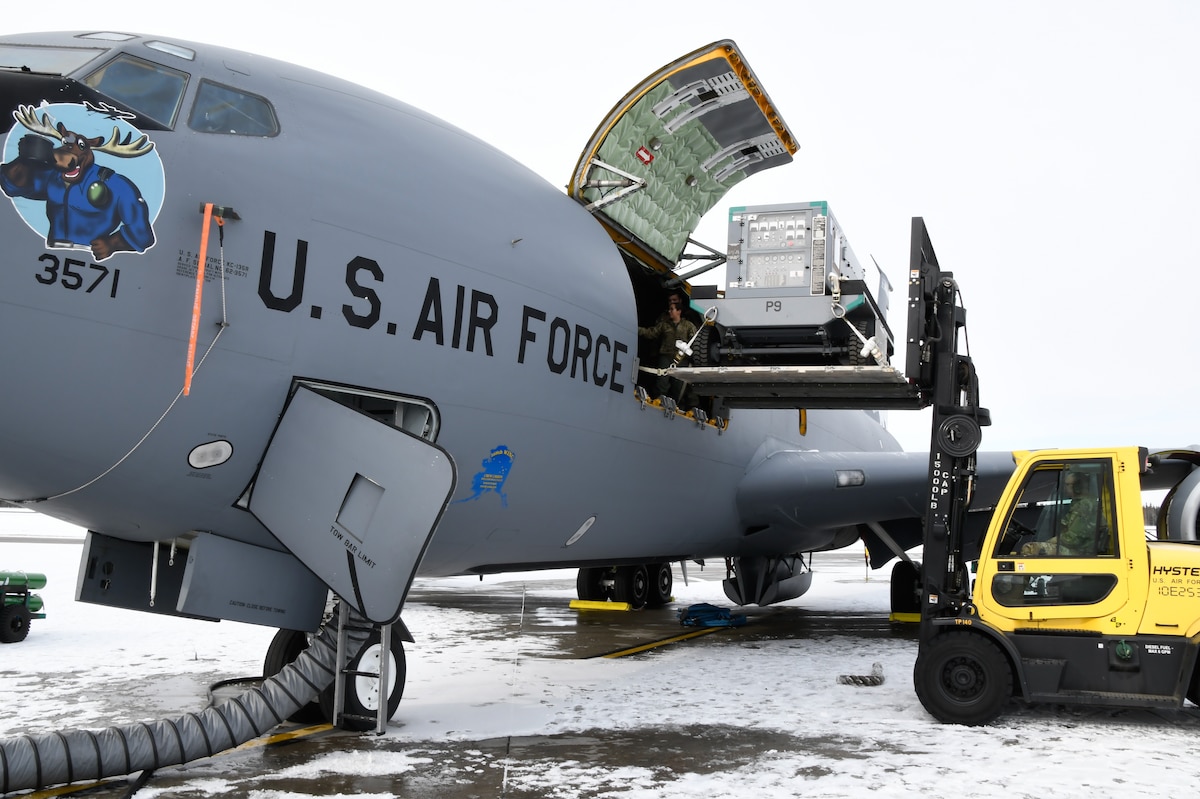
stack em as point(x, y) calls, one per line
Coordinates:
point(275, 764)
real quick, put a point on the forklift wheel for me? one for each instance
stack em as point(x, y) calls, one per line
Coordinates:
point(1193, 692)
point(962, 677)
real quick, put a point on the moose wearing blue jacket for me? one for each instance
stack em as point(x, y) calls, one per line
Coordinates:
point(87, 205)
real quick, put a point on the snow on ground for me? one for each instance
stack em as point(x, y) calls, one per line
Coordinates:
point(86, 666)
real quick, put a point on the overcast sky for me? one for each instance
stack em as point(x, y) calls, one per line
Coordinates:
point(1050, 147)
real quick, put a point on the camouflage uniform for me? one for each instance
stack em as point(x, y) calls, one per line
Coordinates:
point(667, 333)
point(1078, 534)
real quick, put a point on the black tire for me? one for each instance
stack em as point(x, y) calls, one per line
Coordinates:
point(703, 349)
point(1193, 691)
point(906, 587)
point(962, 678)
point(286, 646)
point(854, 356)
point(661, 580)
point(14, 624)
point(362, 693)
point(632, 585)
point(589, 584)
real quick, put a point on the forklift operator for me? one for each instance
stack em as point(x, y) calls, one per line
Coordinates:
point(1077, 529)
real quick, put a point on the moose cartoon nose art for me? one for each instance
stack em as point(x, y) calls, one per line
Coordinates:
point(87, 187)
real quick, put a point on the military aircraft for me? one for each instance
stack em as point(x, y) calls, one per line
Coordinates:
point(268, 335)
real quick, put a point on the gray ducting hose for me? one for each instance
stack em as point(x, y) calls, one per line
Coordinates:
point(39, 761)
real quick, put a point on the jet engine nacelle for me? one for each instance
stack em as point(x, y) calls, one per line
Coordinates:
point(1180, 511)
point(767, 580)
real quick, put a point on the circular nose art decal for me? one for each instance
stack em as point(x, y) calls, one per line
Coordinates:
point(83, 178)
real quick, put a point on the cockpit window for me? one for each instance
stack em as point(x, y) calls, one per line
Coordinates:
point(151, 90)
point(223, 109)
point(50, 60)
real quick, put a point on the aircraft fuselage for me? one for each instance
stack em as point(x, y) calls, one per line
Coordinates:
point(447, 273)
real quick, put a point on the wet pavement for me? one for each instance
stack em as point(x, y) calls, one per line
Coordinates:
point(511, 693)
point(294, 760)
point(469, 770)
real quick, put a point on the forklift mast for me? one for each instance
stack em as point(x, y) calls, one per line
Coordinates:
point(951, 386)
point(777, 297)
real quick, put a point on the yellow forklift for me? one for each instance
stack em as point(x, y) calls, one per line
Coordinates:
point(1074, 600)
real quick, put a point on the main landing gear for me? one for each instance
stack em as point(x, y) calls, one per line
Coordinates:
point(642, 585)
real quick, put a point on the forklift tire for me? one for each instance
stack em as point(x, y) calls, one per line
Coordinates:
point(14, 624)
point(1193, 691)
point(906, 587)
point(962, 677)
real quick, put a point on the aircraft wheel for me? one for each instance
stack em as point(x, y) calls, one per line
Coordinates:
point(962, 678)
point(589, 585)
point(285, 647)
point(632, 585)
point(14, 624)
point(362, 692)
point(660, 581)
point(906, 588)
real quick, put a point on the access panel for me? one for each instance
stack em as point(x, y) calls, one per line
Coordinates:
point(356, 500)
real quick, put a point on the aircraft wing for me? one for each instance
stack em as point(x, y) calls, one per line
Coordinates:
point(849, 494)
point(672, 148)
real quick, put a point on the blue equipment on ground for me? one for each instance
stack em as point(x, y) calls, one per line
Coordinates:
point(706, 615)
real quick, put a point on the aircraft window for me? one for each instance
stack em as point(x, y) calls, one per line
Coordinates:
point(108, 36)
point(173, 49)
point(147, 88)
point(221, 109)
point(50, 60)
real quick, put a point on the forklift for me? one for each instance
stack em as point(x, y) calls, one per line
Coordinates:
point(1074, 600)
point(1069, 601)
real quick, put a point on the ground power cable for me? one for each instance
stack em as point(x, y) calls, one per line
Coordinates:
point(57, 758)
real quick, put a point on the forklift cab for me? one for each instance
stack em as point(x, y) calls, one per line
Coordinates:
point(1057, 553)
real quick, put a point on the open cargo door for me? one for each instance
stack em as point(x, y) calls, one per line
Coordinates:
point(356, 500)
point(672, 148)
